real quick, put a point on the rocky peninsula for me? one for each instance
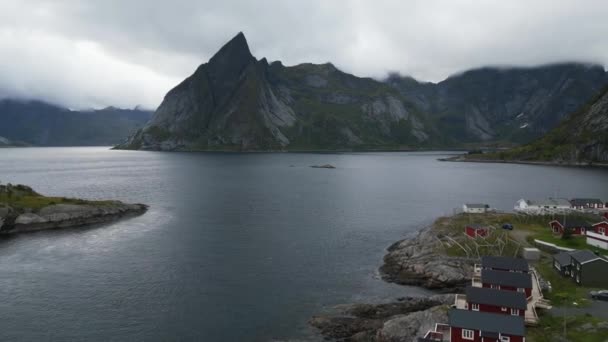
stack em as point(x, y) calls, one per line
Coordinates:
point(23, 210)
point(430, 259)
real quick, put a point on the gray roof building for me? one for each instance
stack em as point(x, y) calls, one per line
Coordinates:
point(584, 256)
point(563, 258)
point(583, 202)
point(505, 263)
point(477, 205)
point(510, 279)
point(573, 222)
point(487, 296)
point(487, 323)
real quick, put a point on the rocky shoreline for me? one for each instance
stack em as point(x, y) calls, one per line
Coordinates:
point(24, 210)
point(402, 320)
point(416, 260)
point(65, 216)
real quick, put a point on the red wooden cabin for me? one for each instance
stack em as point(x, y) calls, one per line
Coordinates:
point(476, 230)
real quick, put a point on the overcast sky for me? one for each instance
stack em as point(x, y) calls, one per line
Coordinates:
point(85, 54)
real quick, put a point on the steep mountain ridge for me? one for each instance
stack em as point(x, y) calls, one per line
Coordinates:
point(511, 104)
point(579, 140)
point(236, 102)
point(42, 124)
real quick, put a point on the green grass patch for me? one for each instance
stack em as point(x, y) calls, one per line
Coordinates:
point(581, 328)
point(564, 290)
point(21, 197)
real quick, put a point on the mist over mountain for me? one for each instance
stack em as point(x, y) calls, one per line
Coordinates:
point(42, 124)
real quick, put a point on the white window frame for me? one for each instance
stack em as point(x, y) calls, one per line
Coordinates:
point(468, 334)
point(521, 289)
point(505, 338)
point(503, 309)
point(475, 307)
point(514, 312)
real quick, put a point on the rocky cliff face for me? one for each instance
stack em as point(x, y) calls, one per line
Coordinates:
point(509, 104)
point(236, 102)
point(581, 139)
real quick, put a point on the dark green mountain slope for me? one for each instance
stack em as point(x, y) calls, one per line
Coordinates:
point(42, 124)
point(505, 104)
point(236, 102)
point(580, 139)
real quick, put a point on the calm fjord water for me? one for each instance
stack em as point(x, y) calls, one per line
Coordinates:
point(235, 247)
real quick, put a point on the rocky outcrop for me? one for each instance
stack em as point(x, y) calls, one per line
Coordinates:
point(71, 215)
point(416, 324)
point(401, 320)
point(22, 210)
point(415, 261)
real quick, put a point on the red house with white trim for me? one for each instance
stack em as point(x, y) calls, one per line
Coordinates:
point(496, 301)
point(598, 235)
point(587, 203)
point(467, 326)
point(601, 228)
point(575, 225)
point(477, 230)
point(509, 281)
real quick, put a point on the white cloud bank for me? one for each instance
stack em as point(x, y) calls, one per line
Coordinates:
point(124, 53)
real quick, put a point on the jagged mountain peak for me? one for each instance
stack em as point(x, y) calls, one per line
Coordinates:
point(237, 102)
point(235, 53)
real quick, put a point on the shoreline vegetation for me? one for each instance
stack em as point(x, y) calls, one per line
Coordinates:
point(441, 258)
point(477, 159)
point(24, 210)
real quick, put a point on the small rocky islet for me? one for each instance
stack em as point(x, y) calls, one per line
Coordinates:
point(22, 210)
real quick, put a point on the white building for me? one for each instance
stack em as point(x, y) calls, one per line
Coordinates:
point(544, 206)
point(475, 208)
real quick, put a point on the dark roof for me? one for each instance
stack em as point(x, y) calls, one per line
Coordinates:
point(476, 226)
point(584, 256)
point(574, 222)
point(508, 299)
point(504, 278)
point(505, 263)
point(563, 258)
point(487, 322)
point(477, 205)
point(584, 201)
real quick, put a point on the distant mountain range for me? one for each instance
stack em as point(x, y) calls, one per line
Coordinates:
point(236, 102)
point(582, 138)
point(42, 124)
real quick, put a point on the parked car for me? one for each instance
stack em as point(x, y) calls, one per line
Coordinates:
point(599, 295)
point(507, 226)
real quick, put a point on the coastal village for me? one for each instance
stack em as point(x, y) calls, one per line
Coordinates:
point(506, 292)
point(508, 278)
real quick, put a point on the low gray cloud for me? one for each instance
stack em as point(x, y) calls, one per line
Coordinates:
point(124, 53)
